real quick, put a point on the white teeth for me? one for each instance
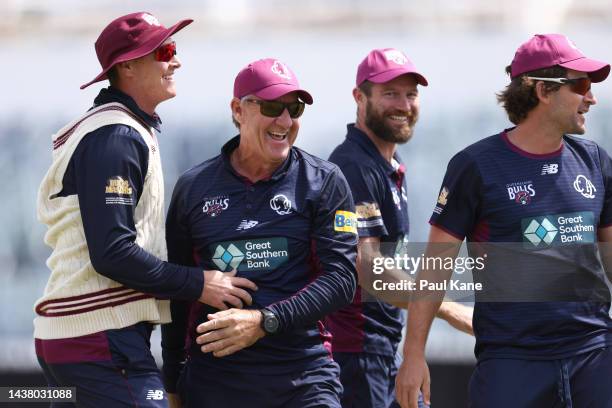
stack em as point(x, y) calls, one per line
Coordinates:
point(396, 117)
point(277, 136)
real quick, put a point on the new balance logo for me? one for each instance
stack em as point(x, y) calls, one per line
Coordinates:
point(246, 224)
point(550, 169)
point(156, 395)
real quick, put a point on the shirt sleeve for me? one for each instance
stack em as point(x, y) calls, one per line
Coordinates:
point(110, 166)
point(458, 206)
point(365, 186)
point(605, 219)
point(180, 250)
point(334, 239)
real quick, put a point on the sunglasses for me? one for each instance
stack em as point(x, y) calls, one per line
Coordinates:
point(274, 109)
point(579, 86)
point(164, 53)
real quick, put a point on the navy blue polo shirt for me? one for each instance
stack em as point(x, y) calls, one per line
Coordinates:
point(379, 190)
point(542, 212)
point(102, 155)
point(293, 235)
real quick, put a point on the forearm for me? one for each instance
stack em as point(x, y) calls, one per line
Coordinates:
point(326, 294)
point(420, 318)
point(132, 266)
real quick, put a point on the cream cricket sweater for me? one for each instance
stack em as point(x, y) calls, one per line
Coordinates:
point(78, 300)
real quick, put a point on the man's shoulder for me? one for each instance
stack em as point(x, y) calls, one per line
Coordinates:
point(201, 169)
point(581, 143)
point(349, 155)
point(489, 144)
point(312, 162)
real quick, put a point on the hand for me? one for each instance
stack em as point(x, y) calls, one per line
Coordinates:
point(221, 289)
point(174, 401)
point(229, 331)
point(458, 316)
point(413, 375)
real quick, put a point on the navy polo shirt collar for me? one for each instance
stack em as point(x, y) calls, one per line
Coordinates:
point(279, 173)
point(357, 136)
point(111, 94)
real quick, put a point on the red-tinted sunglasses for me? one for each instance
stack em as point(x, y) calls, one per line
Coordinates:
point(165, 52)
point(579, 86)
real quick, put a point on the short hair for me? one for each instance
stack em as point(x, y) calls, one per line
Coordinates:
point(520, 97)
point(366, 88)
point(112, 75)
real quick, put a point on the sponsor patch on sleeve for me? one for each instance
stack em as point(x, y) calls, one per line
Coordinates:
point(118, 191)
point(367, 210)
point(345, 221)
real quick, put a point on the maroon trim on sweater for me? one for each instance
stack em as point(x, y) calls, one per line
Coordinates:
point(61, 139)
point(100, 306)
point(46, 308)
point(89, 302)
point(80, 297)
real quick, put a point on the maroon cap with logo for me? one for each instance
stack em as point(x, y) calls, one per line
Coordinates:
point(385, 64)
point(548, 50)
point(268, 79)
point(129, 37)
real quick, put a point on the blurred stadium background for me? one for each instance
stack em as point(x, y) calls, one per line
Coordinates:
point(462, 46)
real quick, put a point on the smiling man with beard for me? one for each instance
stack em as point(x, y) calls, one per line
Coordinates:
point(367, 332)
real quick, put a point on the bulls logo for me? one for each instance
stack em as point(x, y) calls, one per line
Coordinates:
point(522, 197)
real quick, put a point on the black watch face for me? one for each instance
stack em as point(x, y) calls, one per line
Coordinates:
point(271, 324)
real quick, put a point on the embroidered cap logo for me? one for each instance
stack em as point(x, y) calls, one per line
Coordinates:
point(152, 20)
point(396, 56)
point(281, 70)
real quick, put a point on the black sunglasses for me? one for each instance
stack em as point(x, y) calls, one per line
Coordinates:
point(274, 109)
point(579, 86)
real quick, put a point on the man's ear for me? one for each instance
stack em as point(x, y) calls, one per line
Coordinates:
point(126, 69)
point(542, 93)
point(236, 110)
point(358, 95)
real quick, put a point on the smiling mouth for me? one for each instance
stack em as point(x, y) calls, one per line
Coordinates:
point(168, 77)
point(398, 118)
point(278, 135)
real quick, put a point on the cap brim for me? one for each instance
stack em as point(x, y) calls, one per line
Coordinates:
point(145, 49)
point(276, 91)
point(597, 70)
point(394, 73)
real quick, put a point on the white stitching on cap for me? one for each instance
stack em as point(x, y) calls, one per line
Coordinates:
point(396, 56)
point(280, 69)
point(151, 19)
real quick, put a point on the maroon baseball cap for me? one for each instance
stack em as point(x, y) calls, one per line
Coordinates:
point(548, 50)
point(268, 79)
point(129, 37)
point(384, 64)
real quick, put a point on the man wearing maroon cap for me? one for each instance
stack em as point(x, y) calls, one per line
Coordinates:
point(102, 200)
point(281, 218)
point(366, 334)
point(543, 199)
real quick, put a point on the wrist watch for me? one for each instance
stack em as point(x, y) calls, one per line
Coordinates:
point(269, 321)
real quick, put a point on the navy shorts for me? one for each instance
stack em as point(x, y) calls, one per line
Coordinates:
point(369, 380)
point(314, 388)
point(580, 381)
point(113, 368)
